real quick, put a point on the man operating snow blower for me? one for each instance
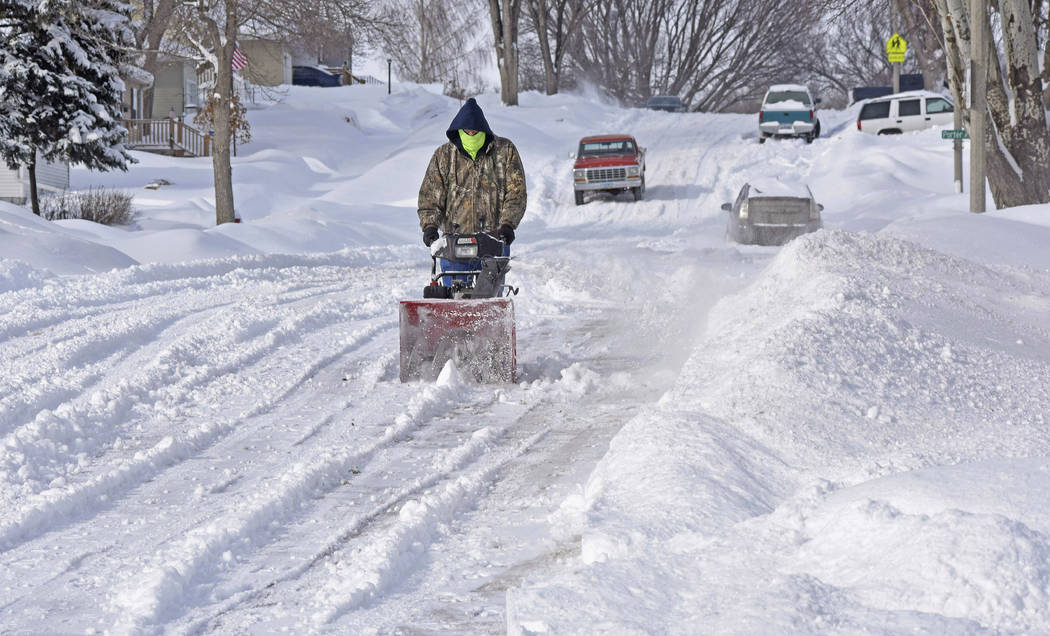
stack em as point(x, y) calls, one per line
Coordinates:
point(474, 193)
point(474, 183)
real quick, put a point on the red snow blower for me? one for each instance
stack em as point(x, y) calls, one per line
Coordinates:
point(466, 314)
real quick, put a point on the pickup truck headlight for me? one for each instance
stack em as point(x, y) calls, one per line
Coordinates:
point(579, 174)
point(743, 210)
point(632, 171)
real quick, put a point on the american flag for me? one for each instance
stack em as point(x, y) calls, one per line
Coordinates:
point(239, 61)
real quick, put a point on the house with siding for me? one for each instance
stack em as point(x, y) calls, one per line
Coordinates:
point(177, 80)
point(136, 82)
point(175, 87)
point(51, 178)
point(269, 62)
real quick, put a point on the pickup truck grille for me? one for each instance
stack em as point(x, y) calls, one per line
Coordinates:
point(606, 174)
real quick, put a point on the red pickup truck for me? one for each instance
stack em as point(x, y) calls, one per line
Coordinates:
point(609, 163)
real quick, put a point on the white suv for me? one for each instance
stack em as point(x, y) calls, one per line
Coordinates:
point(903, 112)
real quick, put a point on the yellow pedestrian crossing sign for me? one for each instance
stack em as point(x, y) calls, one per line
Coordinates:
point(896, 47)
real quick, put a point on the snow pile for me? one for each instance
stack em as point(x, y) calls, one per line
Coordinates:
point(857, 442)
point(786, 105)
point(15, 275)
point(27, 238)
point(1015, 236)
point(868, 327)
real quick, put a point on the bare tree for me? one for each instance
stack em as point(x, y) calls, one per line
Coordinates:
point(919, 26)
point(334, 28)
point(555, 23)
point(425, 40)
point(150, 33)
point(720, 52)
point(211, 28)
point(618, 44)
point(850, 49)
point(1041, 15)
point(1017, 144)
point(505, 15)
point(217, 24)
point(712, 53)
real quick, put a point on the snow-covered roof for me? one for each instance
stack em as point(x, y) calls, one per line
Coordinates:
point(905, 94)
point(135, 74)
point(777, 188)
point(789, 87)
point(787, 104)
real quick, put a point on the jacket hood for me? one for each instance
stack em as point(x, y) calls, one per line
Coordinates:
point(469, 117)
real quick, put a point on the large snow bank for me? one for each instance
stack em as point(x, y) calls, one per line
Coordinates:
point(859, 442)
point(1015, 236)
point(31, 240)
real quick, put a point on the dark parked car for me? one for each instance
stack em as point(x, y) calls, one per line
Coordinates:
point(314, 76)
point(670, 103)
point(772, 213)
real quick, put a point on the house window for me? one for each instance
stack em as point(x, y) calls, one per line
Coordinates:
point(190, 94)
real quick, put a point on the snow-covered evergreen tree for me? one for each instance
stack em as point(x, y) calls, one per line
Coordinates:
point(15, 18)
point(60, 85)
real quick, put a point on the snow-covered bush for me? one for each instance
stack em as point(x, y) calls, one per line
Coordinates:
point(108, 207)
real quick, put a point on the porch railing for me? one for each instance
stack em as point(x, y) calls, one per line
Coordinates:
point(167, 135)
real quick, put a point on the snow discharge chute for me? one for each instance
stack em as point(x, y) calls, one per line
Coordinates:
point(465, 316)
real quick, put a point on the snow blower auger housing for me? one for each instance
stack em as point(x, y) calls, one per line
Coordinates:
point(466, 314)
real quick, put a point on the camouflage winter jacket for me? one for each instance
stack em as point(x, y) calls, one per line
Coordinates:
point(478, 195)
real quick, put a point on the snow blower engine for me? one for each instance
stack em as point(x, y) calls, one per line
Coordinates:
point(466, 314)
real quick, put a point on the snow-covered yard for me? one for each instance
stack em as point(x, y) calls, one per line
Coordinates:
point(202, 429)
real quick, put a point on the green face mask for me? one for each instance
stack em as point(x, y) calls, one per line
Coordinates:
point(472, 144)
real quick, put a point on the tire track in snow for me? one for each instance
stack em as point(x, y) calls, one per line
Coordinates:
point(71, 363)
point(385, 547)
point(58, 372)
point(89, 421)
point(32, 517)
point(152, 595)
point(393, 542)
point(162, 520)
point(381, 564)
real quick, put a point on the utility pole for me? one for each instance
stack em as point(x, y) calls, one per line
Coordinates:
point(388, 76)
point(895, 19)
point(978, 100)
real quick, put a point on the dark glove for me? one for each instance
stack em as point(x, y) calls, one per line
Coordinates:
point(430, 234)
point(506, 233)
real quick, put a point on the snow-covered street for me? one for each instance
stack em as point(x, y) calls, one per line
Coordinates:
point(202, 429)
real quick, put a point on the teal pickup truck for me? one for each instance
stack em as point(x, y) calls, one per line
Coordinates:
point(788, 110)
